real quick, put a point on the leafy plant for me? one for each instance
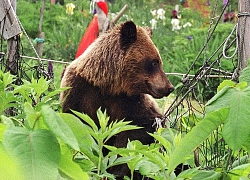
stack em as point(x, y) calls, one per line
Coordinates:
point(228, 108)
point(47, 144)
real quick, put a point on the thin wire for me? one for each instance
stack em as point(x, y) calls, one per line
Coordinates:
point(225, 44)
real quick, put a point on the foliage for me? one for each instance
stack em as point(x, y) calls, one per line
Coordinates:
point(228, 108)
point(42, 140)
point(47, 144)
point(36, 140)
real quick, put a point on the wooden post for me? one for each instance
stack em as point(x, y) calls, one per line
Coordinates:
point(243, 33)
point(12, 52)
point(41, 35)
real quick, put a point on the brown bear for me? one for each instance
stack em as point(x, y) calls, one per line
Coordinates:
point(118, 72)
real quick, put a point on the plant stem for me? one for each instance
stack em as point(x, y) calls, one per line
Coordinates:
point(100, 156)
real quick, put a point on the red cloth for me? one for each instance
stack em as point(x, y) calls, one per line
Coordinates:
point(89, 36)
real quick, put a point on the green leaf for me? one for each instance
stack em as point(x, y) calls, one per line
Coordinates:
point(82, 134)
point(241, 85)
point(87, 119)
point(37, 151)
point(207, 175)
point(166, 144)
point(245, 75)
point(196, 136)
point(9, 168)
point(226, 83)
point(53, 93)
point(238, 120)
point(119, 160)
point(24, 90)
point(69, 167)
point(146, 167)
point(5, 79)
point(7, 121)
point(31, 114)
point(117, 127)
point(2, 129)
point(40, 86)
point(220, 100)
point(59, 127)
point(103, 119)
point(7, 100)
point(240, 172)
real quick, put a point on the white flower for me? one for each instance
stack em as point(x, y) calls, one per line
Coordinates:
point(175, 24)
point(188, 24)
point(160, 14)
point(153, 23)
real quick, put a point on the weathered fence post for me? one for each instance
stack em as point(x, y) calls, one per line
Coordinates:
point(12, 26)
point(243, 33)
point(41, 35)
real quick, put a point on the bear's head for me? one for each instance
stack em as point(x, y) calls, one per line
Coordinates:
point(125, 61)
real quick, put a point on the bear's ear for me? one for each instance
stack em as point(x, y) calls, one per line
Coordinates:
point(149, 31)
point(128, 34)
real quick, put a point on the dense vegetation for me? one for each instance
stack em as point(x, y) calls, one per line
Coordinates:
point(37, 141)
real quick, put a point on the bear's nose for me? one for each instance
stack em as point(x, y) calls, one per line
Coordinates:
point(171, 89)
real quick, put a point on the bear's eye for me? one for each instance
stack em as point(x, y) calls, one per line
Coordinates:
point(152, 65)
point(155, 63)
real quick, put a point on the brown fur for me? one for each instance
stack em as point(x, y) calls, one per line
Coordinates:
point(117, 72)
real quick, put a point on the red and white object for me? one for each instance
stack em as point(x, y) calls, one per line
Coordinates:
point(99, 24)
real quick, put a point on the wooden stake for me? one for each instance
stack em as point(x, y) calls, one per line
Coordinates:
point(41, 35)
point(243, 33)
point(11, 63)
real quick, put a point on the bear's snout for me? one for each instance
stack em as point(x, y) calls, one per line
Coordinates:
point(160, 86)
point(170, 90)
point(157, 90)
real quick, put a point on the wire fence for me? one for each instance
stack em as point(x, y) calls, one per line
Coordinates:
point(187, 108)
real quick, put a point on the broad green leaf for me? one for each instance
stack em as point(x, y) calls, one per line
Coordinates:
point(240, 172)
point(9, 167)
point(220, 100)
point(7, 121)
point(245, 75)
point(242, 160)
point(59, 127)
point(80, 130)
point(82, 134)
point(2, 129)
point(241, 85)
point(147, 167)
point(69, 167)
point(247, 145)
point(225, 83)
point(236, 130)
point(207, 175)
point(166, 144)
point(189, 173)
point(196, 136)
point(37, 151)
point(31, 114)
